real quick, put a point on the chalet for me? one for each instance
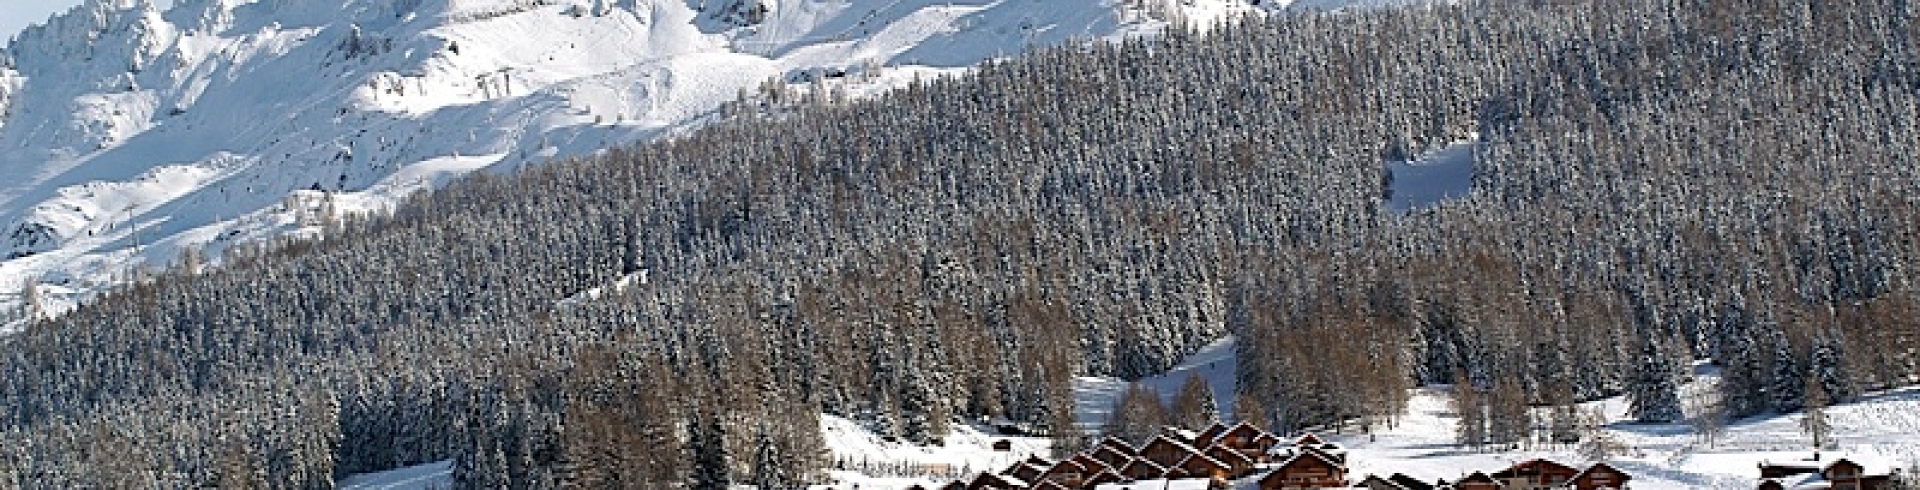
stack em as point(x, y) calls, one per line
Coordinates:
point(1238, 464)
point(1308, 439)
point(1249, 440)
point(1101, 478)
point(1600, 476)
point(1479, 481)
point(1159, 484)
point(1167, 451)
point(997, 482)
point(1396, 482)
point(1088, 464)
point(1209, 434)
point(1003, 445)
point(1203, 466)
point(1335, 453)
point(1535, 474)
point(1187, 437)
point(1051, 485)
point(1375, 482)
point(1111, 457)
point(1067, 473)
point(1120, 446)
point(1411, 483)
point(1841, 474)
point(1142, 469)
point(1306, 470)
point(1025, 471)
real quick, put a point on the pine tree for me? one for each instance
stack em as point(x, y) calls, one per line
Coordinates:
point(1652, 391)
point(1829, 371)
point(712, 461)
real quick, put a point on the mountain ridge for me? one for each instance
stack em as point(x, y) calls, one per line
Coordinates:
point(219, 122)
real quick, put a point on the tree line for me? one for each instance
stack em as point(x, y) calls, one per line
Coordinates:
point(1656, 182)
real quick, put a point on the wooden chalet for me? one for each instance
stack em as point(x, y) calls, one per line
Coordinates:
point(1203, 466)
point(1209, 434)
point(1600, 476)
point(1067, 473)
point(1187, 437)
point(1025, 471)
point(1308, 439)
point(1249, 440)
point(1167, 451)
point(1142, 469)
point(1120, 446)
point(1536, 474)
point(1841, 474)
point(1306, 470)
point(1479, 481)
point(1101, 478)
point(992, 481)
point(1088, 465)
point(1238, 464)
point(1398, 481)
point(1050, 485)
point(1111, 457)
point(1003, 445)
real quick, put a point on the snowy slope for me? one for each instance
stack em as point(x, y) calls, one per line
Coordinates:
point(129, 135)
point(1093, 397)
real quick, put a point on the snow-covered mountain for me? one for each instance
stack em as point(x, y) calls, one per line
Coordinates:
point(130, 136)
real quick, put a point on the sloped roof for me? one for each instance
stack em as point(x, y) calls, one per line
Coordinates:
point(1533, 466)
point(1152, 467)
point(1212, 431)
point(1119, 445)
point(990, 479)
point(1623, 475)
point(1479, 477)
point(1224, 453)
point(1410, 483)
point(1376, 479)
point(1203, 458)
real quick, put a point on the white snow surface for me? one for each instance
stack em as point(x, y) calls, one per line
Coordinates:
point(1435, 177)
point(129, 134)
point(430, 476)
point(1093, 397)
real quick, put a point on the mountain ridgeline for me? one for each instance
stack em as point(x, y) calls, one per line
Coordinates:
point(1656, 182)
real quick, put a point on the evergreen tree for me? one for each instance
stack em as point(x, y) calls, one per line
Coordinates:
point(712, 460)
point(1652, 392)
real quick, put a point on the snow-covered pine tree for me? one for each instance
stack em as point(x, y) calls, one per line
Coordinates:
point(712, 461)
point(1827, 363)
point(1786, 377)
point(1654, 396)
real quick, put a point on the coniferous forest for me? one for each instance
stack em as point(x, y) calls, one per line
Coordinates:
point(1656, 182)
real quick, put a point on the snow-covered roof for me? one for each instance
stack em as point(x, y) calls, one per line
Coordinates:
point(1177, 484)
point(1203, 458)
